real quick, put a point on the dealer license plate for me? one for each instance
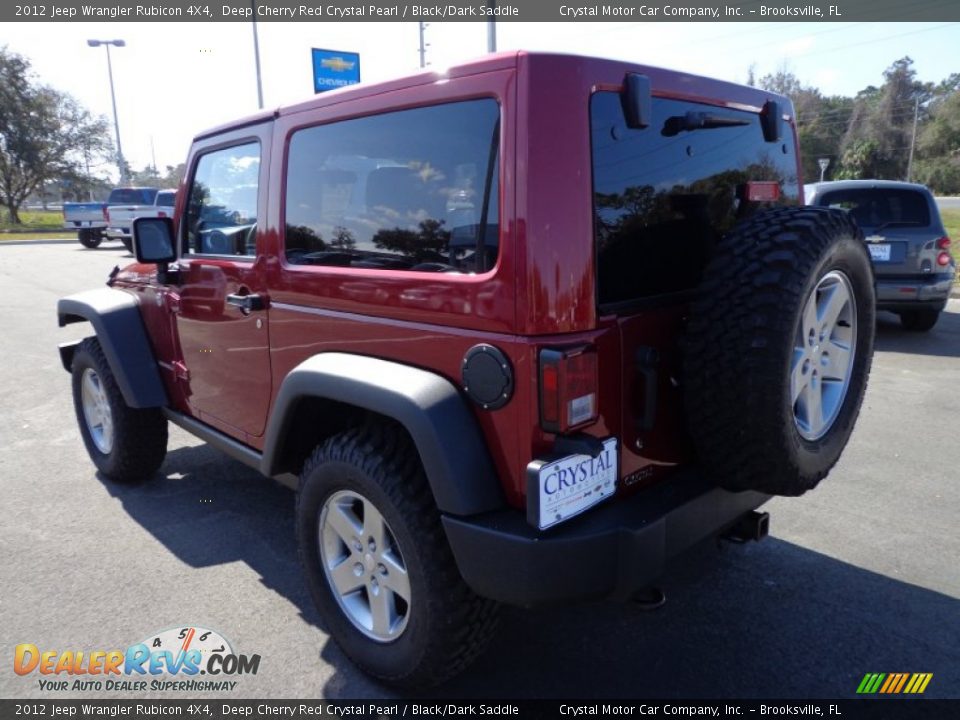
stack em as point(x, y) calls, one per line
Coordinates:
point(880, 252)
point(575, 483)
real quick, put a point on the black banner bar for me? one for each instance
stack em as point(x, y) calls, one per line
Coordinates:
point(101, 11)
point(876, 709)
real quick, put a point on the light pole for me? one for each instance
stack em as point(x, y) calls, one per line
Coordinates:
point(256, 55)
point(492, 27)
point(121, 165)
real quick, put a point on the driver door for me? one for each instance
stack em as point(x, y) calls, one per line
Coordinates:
point(222, 322)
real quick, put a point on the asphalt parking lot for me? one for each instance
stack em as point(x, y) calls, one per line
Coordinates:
point(860, 576)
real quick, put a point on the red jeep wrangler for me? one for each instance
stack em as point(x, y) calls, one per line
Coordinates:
point(517, 333)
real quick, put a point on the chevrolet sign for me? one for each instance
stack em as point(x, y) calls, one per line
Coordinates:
point(333, 69)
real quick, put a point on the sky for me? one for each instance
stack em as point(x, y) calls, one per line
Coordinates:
point(174, 80)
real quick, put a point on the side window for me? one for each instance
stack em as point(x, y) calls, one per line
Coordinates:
point(408, 190)
point(221, 213)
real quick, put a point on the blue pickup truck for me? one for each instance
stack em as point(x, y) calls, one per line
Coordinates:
point(91, 219)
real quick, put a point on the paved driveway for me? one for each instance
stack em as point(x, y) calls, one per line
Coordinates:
point(858, 576)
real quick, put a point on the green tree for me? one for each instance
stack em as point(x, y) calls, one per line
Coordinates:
point(148, 177)
point(821, 121)
point(877, 141)
point(172, 175)
point(44, 134)
point(938, 147)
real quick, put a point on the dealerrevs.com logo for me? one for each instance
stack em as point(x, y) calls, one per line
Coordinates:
point(171, 660)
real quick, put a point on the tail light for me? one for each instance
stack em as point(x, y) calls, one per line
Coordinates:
point(943, 243)
point(106, 213)
point(943, 259)
point(568, 388)
point(161, 213)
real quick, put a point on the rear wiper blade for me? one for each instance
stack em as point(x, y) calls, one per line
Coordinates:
point(698, 121)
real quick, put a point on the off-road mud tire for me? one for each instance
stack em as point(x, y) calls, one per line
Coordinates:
point(740, 342)
point(448, 624)
point(139, 442)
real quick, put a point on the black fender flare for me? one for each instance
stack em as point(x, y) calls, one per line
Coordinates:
point(115, 317)
point(448, 440)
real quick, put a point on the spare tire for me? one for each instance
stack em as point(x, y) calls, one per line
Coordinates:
point(778, 349)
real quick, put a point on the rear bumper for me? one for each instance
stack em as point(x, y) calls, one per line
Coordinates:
point(612, 550)
point(115, 233)
point(931, 291)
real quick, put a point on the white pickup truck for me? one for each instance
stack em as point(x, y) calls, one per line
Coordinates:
point(90, 219)
point(120, 217)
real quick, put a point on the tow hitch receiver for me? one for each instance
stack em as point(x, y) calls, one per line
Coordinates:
point(752, 526)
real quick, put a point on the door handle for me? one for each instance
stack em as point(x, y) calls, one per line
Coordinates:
point(248, 302)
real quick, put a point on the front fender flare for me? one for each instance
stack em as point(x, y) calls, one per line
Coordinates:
point(450, 445)
point(115, 316)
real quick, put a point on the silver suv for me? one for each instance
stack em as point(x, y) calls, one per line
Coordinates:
point(907, 242)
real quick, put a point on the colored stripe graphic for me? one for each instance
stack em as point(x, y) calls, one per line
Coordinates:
point(903, 680)
point(894, 683)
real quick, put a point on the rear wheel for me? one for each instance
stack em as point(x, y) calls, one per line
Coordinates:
point(127, 243)
point(89, 238)
point(377, 561)
point(126, 444)
point(919, 320)
point(778, 349)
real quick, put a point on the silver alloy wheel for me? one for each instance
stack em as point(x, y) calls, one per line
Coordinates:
point(363, 565)
point(823, 355)
point(96, 410)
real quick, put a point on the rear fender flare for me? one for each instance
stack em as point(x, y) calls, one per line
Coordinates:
point(115, 317)
point(451, 446)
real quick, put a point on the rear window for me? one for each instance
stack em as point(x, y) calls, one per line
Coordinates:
point(132, 196)
point(409, 190)
point(663, 194)
point(166, 199)
point(879, 207)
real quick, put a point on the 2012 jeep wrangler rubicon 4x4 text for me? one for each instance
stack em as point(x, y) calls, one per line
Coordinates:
point(516, 333)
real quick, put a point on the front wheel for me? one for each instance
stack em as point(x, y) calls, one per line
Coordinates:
point(377, 561)
point(919, 320)
point(126, 444)
point(778, 349)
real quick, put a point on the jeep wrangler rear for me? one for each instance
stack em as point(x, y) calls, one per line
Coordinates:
point(521, 332)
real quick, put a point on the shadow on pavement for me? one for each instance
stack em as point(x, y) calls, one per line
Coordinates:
point(761, 620)
point(208, 510)
point(943, 340)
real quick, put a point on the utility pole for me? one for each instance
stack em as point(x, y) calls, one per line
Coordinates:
point(913, 137)
point(423, 45)
point(492, 28)
point(256, 55)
